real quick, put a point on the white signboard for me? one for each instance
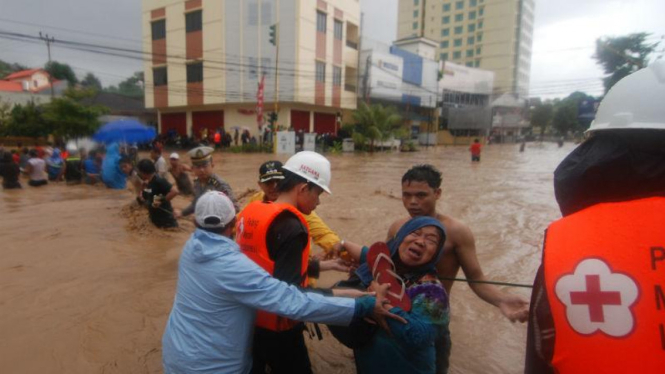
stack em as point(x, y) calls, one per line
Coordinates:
point(286, 142)
point(386, 76)
point(465, 79)
point(309, 142)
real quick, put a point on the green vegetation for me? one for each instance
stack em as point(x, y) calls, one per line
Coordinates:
point(623, 55)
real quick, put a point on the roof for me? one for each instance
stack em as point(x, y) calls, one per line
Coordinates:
point(119, 103)
point(22, 74)
point(8, 86)
point(414, 39)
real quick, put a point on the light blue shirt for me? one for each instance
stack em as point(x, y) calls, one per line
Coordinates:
point(219, 289)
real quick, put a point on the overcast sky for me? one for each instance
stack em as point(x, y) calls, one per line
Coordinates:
point(563, 43)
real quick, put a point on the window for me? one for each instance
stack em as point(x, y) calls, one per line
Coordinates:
point(321, 22)
point(477, 63)
point(320, 72)
point(193, 21)
point(337, 76)
point(469, 53)
point(443, 56)
point(445, 19)
point(459, 17)
point(457, 55)
point(481, 11)
point(415, 14)
point(459, 5)
point(416, 2)
point(470, 40)
point(446, 7)
point(444, 44)
point(195, 72)
point(457, 43)
point(473, 2)
point(459, 30)
point(159, 76)
point(445, 32)
point(415, 25)
point(478, 50)
point(158, 29)
point(471, 28)
point(469, 64)
point(480, 25)
point(339, 26)
point(479, 37)
point(472, 14)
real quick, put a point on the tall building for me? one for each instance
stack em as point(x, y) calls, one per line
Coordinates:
point(206, 58)
point(494, 35)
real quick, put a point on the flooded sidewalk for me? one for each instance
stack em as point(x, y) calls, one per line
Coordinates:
point(86, 283)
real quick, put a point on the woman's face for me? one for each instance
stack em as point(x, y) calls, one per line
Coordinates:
point(419, 247)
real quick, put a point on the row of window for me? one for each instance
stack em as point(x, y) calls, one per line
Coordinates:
point(322, 25)
point(459, 17)
point(460, 29)
point(321, 74)
point(458, 4)
point(458, 42)
point(457, 56)
point(194, 74)
point(193, 22)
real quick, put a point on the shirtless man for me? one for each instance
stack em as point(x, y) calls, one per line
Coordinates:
point(421, 188)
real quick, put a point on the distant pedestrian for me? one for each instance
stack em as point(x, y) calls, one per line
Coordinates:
point(522, 146)
point(55, 165)
point(9, 172)
point(36, 170)
point(179, 172)
point(160, 163)
point(475, 149)
point(73, 167)
point(236, 136)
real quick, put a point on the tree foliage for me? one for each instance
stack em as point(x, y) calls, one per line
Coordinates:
point(623, 55)
point(69, 118)
point(130, 87)
point(26, 120)
point(541, 116)
point(378, 123)
point(61, 71)
point(565, 118)
point(7, 68)
point(91, 81)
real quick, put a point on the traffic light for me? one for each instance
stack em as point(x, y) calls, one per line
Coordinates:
point(273, 34)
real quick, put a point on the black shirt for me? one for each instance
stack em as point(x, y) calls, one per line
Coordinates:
point(162, 216)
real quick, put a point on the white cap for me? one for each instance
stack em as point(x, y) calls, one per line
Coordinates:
point(174, 156)
point(635, 102)
point(214, 210)
point(311, 166)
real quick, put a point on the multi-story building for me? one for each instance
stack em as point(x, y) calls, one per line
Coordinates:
point(494, 35)
point(206, 58)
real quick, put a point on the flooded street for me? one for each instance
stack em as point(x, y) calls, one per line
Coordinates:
point(86, 283)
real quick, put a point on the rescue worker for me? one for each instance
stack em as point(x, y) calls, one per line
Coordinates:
point(206, 180)
point(598, 303)
point(275, 236)
point(73, 166)
point(270, 174)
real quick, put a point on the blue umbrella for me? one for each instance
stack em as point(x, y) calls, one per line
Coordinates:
point(128, 131)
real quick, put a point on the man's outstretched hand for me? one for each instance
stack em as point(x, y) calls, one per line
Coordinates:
point(382, 306)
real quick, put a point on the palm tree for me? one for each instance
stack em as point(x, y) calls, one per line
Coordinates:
point(378, 122)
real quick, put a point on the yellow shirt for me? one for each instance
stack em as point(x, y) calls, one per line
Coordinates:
point(320, 233)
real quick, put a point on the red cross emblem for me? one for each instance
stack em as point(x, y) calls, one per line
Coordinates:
point(595, 299)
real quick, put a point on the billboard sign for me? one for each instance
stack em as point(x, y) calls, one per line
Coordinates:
point(465, 79)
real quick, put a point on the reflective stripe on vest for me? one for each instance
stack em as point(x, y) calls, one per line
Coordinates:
point(605, 281)
point(251, 232)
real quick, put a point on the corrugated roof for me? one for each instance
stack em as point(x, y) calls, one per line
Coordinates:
point(22, 74)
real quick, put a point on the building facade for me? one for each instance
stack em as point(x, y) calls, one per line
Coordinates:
point(494, 35)
point(206, 58)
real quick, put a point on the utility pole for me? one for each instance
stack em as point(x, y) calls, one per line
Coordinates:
point(274, 40)
point(48, 40)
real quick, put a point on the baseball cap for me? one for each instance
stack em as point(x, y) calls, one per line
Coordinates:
point(270, 170)
point(174, 156)
point(214, 210)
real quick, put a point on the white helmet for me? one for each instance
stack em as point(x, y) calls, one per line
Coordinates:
point(635, 102)
point(311, 166)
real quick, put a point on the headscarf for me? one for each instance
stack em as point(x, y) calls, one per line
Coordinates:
point(55, 159)
point(413, 274)
point(112, 176)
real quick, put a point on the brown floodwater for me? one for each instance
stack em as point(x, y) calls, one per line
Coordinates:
point(86, 283)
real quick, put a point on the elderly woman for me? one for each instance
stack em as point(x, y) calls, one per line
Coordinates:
point(414, 251)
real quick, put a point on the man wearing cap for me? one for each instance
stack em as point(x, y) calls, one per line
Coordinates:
point(179, 171)
point(275, 236)
point(219, 290)
point(270, 173)
point(206, 180)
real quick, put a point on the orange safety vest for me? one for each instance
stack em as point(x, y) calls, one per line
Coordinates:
point(251, 232)
point(605, 281)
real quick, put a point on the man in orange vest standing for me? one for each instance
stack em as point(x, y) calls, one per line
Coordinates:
point(598, 303)
point(275, 235)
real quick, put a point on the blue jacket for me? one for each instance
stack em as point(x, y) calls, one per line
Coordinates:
point(219, 289)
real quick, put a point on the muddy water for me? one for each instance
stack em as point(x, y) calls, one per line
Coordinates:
point(86, 283)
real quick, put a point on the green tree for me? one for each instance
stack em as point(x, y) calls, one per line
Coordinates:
point(565, 118)
point(7, 68)
point(26, 120)
point(61, 71)
point(622, 56)
point(541, 117)
point(91, 81)
point(69, 118)
point(378, 123)
point(131, 87)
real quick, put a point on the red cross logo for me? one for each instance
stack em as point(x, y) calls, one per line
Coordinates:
point(595, 298)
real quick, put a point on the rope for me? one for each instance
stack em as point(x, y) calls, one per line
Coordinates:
point(488, 282)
